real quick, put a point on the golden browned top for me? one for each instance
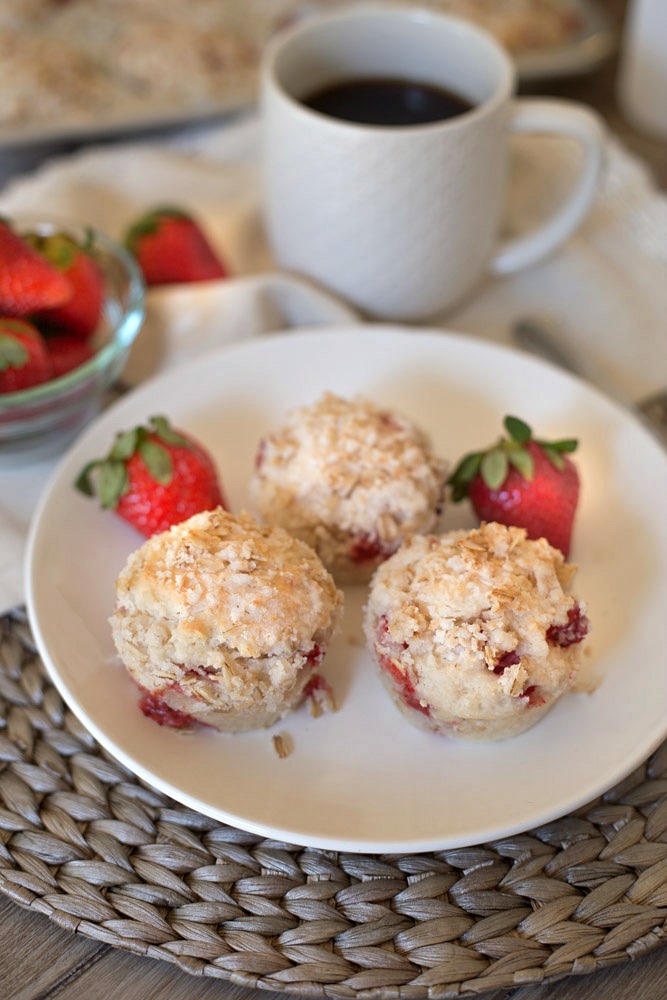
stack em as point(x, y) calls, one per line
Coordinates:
point(231, 582)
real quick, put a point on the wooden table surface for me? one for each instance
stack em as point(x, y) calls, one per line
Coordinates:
point(40, 960)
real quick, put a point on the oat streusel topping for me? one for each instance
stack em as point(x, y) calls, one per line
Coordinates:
point(342, 469)
point(262, 591)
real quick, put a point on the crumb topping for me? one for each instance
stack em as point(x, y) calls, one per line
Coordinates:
point(83, 61)
point(262, 591)
point(348, 467)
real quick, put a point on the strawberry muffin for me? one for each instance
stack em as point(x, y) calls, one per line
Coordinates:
point(223, 622)
point(351, 479)
point(475, 632)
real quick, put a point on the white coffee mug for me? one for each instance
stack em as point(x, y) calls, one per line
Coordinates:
point(403, 221)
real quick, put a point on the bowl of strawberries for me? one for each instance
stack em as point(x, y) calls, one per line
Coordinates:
point(71, 305)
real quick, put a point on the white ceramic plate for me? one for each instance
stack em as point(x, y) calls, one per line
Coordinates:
point(361, 778)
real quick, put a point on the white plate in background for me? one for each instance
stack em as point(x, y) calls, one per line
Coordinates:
point(591, 45)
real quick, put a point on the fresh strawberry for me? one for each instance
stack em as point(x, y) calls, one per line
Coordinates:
point(522, 481)
point(80, 315)
point(66, 352)
point(24, 360)
point(154, 477)
point(170, 246)
point(27, 281)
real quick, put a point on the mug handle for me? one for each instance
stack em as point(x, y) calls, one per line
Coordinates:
point(561, 118)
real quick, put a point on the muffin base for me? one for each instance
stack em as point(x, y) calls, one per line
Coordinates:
point(171, 706)
point(458, 727)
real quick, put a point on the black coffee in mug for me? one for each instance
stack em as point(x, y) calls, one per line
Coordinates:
point(387, 101)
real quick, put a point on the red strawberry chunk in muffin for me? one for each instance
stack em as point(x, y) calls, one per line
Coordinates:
point(576, 629)
point(315, 655)
point(509, 659)
point(319, 695)
point(402, 682)
point(367, 548)
point(154, 707)
point(533, 696)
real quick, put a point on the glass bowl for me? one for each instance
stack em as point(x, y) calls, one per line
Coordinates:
point(42, 420)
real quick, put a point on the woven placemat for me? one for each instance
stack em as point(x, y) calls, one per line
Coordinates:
point(103, 855)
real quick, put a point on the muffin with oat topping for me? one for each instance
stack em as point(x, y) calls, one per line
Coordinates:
point(475, 633)
point(351, 479)
point(223, 622)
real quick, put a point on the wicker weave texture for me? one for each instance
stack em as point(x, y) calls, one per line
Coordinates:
point(103, 855)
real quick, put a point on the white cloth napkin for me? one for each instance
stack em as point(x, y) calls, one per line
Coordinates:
point(108, 187)
point(606, 290)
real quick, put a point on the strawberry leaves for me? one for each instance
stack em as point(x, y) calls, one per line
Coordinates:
point(517, 430)
point(493, 464)
point(110, 473)
point(59, 248)
point(555, 450)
